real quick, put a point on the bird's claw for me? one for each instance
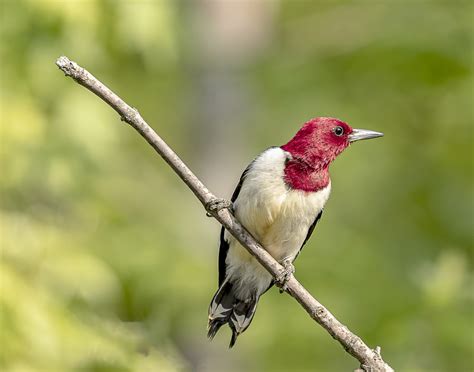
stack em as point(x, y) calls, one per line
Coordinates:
point(216, 204)
point(282, 280)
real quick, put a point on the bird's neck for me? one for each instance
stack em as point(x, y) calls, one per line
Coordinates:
point(301, 175)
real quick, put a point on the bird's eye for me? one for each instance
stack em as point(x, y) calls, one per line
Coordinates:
point(338, 131)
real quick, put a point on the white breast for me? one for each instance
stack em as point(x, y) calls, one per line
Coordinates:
point(277, 216)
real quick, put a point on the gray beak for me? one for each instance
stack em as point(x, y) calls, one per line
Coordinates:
point(362, 134)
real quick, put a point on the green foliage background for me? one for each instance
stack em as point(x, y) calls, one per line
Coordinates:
point(108, 262)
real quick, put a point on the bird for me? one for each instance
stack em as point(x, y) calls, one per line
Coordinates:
point(279, 199)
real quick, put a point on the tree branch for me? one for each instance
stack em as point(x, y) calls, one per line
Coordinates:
point(370, 360)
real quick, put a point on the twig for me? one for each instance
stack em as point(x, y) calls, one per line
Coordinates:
point(370, 360)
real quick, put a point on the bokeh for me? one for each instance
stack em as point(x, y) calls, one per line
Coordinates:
point(108, 260)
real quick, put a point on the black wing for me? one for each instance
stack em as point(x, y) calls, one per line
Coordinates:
point(310, 231)
point(311, 228)
point(224, 246)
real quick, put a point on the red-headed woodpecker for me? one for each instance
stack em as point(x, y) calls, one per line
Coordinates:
point(279, 200)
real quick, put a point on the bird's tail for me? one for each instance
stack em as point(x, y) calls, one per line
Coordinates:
point(225, 308)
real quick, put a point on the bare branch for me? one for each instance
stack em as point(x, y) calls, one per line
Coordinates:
point(370, 360)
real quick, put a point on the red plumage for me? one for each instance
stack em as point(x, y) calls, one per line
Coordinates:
point(313, 147)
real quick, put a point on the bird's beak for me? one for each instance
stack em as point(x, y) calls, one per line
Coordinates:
point(362, 134)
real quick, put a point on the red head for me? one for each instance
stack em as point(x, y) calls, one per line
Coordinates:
point(314, 147)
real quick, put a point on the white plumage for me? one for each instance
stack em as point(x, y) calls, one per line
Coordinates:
point(279, 199)
point(277, 216)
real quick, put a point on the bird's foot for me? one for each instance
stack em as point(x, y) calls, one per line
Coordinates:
point(216, 204)
point(282, 280)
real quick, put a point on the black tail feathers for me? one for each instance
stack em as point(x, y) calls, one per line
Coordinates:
point(226, 308)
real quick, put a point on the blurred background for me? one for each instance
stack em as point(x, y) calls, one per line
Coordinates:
point(108, 261)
